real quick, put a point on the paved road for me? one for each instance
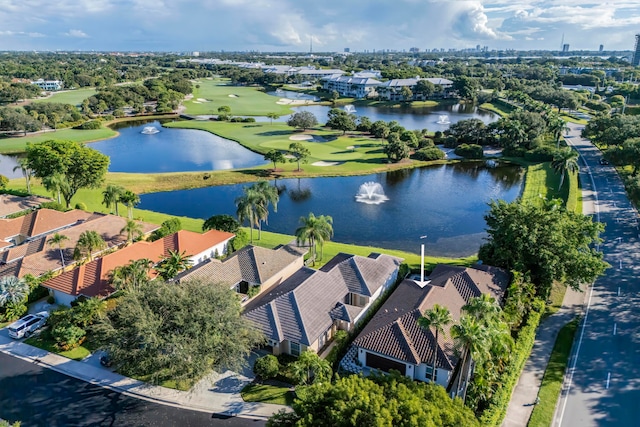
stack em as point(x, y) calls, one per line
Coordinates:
point(42, 397)
point(602, 387)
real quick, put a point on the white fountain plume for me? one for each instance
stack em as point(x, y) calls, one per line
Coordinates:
point(443, 119)
point(349, 109)
point(371, 193)
point(149, 130)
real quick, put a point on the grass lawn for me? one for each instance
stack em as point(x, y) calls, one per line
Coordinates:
point(542, 414)
point(556, 296)
point(4, 324)
point(542, 183)
point(176, 385)
point(243, 100)
point(73, 97)
point(45, 342)
point(18, 144)
point(501, 110)
point(265, 393)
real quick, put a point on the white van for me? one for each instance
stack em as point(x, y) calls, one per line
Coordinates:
point(27, 325)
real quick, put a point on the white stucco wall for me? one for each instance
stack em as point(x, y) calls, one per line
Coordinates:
point(62, 298)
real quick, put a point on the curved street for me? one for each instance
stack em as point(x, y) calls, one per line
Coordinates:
point(602, 384)
point(42, 397)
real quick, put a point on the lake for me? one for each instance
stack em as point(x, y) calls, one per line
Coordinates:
point(172, 150)
point(445, 202)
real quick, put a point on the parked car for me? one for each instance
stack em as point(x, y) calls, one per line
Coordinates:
point(604, 162)
point(105, 359)
point(27, 325)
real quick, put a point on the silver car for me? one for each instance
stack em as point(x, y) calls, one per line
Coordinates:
point(27, 325)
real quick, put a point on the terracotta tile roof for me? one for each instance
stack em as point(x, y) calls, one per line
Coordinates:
point(13, 204)
point(394, 330)
point(253, 264)
point(91, 279)
point(39, 222)
point(301, 308)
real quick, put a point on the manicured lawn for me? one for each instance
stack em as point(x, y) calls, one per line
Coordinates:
point(4, 324)
point(501, 110)
point(243, 100)
point(542, 183)
point(18, 144)
point(542, 414)
point(556, 296)
point(73, 97)
point(265, 393)
point(45, 342)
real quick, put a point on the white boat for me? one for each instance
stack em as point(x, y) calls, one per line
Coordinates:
point(149, 130)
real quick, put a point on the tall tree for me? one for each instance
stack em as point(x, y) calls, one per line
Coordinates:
point(299, 152)
point(132, 276)
point(436, 319)
point(26, 172)
point(111, 196)
point(564, 162)
point(315, 231)
point(58, 240)
point(469, 337)
point(341, 120)
point(268, 195)
point(275, 156)
point(221, 222)
point(56, 183)
point(130, 200)
point(310, 367)
point(83, 167)
point(302, 120)
point(172, 264)
point(273, 116)
point(249, 207)
point(88, 242)
point(132, 229)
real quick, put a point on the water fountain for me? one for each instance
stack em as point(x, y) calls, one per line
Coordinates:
point(371, 193)
point(149, 130)
point(491, 163)
point(279, 91)
point(349, 109)
point(443, 119)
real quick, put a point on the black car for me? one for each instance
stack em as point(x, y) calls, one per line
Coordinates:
point(604, 162)
point(105, 360)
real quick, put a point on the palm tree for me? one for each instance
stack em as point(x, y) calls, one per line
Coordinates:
point(483, 308)
point(111, 196)
point(87, 311)
point(314, 230)
point(56, 183)
point(13, 291)
point(436, 318)
point(129, 199)
point(268, 194)
point(309, 365)
point(469, 336)
point(23, 165)
point(566, 161)
point(173, 264)
point(273, 116)
point(132, 276)
point(88, 242)
point(250, 206)
point(58, 240)
point(133, 230)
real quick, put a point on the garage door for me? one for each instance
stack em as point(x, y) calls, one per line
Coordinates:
point(384, 364)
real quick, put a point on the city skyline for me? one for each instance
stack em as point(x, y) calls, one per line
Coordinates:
point(287, 25)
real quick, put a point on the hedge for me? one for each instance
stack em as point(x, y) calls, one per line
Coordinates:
point(497, 408)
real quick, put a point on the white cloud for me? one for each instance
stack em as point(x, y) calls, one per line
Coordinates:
point(76, 33)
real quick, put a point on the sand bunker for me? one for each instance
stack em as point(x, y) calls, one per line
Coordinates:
point(285, 101)
point(203, 100)
point(323, 163)
point(307, 137)
point(231, 95)
point(196, 102)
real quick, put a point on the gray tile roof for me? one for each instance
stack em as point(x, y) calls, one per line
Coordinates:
point(394, 330)
point(304, 303)
point(252, 264)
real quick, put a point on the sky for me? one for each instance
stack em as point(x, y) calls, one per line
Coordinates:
point(331, 25)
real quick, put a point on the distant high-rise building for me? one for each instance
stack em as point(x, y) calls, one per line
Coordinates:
point(414, 49)
point(636, 52)
point(347, 50)
point(601, 48)
point(565, 47)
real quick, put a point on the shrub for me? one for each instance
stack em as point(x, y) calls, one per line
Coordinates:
point(469, 151)
point(81, 206)
point(514, 152)
point(91, 124)
point(266, 367)
point(13, 312)
point(51, 300)
point(253, 291)
point(249, 120)
point(236, 119)
point(450, 141)
point(541, 154)
point(426, 143)
point(431, 153)
point(67, 335)
point(53, 205)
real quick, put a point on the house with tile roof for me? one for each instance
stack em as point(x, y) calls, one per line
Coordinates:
point(305, 311)
point(393, 339)
point(249, 267)
point(391, 90)
point(351, 86)
point(92, 279)
point(10, 204)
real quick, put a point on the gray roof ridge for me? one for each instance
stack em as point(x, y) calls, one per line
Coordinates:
point(254, 261)
point(407, 339)
point(363, 283)
point(296, 311)
point(276, 319)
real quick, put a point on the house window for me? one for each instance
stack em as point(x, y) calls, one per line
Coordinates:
point(295, 349)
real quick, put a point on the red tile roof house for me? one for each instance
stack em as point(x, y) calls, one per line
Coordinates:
point(393, 339)
point(91, 279)
point(24, 241)
point(10, 204)
point(249, 267)
point(305, 311)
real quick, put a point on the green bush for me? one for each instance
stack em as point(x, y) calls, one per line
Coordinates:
point(81, 206)
point(469, 151)
point(541, 154)
point(450, 141)
point(53, 205)
point(67, 335)
point(51, 300)
point(11, 312)
point(248, 120)
point(497, 406)
point(266, 367)
point(253, 291)
point(427, 154)
point(90, 125)
point(514, 152)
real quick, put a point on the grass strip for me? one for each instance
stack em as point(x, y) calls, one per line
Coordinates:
point(45, 342)
point(265, 393)
point(542, 414)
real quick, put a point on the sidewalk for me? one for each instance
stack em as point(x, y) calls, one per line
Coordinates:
point(218, 393)
point(526, 391)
